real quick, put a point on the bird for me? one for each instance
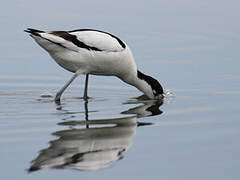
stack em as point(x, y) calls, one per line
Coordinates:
point(94, 52)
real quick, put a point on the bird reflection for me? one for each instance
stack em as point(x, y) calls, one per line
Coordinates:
point(94, 144)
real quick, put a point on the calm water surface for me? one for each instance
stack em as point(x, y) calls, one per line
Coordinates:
point(191, 47)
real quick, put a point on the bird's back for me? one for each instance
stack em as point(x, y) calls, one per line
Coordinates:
point(78, 40)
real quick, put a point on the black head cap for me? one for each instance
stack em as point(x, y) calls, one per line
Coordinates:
point(155, 85)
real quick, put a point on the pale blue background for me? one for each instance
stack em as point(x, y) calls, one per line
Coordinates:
point(192, 47)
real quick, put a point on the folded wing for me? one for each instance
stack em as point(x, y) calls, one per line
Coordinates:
point(91, 40)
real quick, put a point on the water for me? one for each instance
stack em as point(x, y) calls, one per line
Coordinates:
point(190, 47)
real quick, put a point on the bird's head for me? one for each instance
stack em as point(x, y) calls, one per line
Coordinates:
point(150, 86)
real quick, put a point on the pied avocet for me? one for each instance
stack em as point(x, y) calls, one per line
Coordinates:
point(89, 51)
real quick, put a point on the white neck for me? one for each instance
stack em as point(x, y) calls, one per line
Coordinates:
point(140, 84)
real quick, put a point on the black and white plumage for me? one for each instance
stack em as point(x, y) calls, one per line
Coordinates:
point(88, 51)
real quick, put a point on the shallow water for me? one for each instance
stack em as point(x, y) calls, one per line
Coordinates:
point(190, 47)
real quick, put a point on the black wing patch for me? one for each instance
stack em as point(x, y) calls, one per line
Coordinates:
point(72, 38)
point(115, 37)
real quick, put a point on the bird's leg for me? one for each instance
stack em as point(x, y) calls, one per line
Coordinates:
point(85, 97)
point(59, 93)
point(86, 113)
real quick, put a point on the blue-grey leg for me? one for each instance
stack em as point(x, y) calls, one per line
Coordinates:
point(85, 97)
point(59, 93)
point(86, 113)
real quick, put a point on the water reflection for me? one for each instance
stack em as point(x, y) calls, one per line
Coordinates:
point(93, 144)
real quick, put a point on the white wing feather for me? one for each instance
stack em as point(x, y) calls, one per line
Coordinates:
point(100, 40)
point(87, 39)
point(56, 39)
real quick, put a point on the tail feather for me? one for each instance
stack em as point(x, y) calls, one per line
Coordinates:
point(47, 39)
point(33, 31)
